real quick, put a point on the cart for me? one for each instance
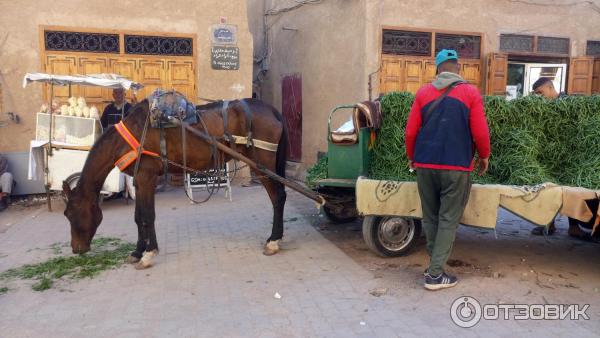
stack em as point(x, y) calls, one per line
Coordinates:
point(391, 210)
point(62, 142)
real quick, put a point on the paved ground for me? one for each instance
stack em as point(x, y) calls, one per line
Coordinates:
point(211, 279)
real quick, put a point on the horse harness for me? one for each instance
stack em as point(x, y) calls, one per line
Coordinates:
point(158, 121)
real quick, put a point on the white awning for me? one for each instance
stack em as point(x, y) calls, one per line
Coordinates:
point(99, 80)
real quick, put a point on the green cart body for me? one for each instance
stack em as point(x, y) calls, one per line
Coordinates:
point(346, 162)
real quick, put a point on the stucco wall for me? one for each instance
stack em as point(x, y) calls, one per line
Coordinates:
point(337, 45)
point(20, 46)
point(577, 20)
point(325, 44)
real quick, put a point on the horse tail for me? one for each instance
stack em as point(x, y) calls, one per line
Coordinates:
point(281, 155)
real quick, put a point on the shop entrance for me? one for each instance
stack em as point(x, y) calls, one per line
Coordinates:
point(522, 75)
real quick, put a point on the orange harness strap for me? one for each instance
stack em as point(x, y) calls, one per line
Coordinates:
point(126, 160)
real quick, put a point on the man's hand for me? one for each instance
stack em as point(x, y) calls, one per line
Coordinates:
point(411, 165)
point(483, 164)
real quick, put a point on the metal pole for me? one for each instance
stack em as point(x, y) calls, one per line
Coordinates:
point(49, 151)
point(291, 184)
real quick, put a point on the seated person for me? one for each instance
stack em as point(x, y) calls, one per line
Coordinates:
point(6, 183)
point(117, 110)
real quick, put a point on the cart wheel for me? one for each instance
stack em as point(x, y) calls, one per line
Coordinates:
point(344, 215)
point(72, 182)
point(391, 236)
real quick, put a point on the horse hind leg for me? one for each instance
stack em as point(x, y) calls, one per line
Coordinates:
point(277, 195)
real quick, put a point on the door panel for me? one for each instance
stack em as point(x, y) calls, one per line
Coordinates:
point(391, 74)
point(497, 72)
point(152, 75)
point(291, 106)
point(414, 75)
point(125, 67)
point(471, 72)
point(580, 75)
point(429, 71)
point(180, 76)
point(596, 77)
point(60, 65)
point(93, 65)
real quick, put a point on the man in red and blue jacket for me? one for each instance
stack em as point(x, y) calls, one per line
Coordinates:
point(446, 125)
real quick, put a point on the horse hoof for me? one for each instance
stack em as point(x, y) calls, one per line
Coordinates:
point(146, 260)
point(132, 259)
point(271, 248)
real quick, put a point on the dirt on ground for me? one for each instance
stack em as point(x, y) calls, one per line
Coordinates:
point(512, 263)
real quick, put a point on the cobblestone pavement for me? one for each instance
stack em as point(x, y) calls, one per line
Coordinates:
point(211, 280)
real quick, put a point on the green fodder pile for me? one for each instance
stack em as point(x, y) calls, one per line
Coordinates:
point(534, 140)
point(107, 253)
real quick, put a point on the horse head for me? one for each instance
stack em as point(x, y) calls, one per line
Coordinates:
point(85, 215)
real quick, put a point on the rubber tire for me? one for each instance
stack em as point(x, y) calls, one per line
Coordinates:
point(72, 182)
point(338, 218)
point(371, 225)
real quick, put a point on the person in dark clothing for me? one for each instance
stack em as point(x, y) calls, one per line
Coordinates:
point(117, 110)
point(545, 88)
point(440, 144)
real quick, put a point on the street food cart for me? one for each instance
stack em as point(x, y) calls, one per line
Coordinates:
point(65, 134)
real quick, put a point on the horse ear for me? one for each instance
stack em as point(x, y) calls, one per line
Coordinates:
point(66, 189)
point(142, 106)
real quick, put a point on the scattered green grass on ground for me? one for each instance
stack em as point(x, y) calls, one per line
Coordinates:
point(107, 253)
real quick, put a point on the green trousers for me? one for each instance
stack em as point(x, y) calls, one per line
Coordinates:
point(444, 195)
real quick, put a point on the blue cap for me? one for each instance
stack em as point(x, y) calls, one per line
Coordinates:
point(445, 55)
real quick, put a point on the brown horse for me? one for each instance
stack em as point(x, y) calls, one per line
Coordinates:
point(83, 210)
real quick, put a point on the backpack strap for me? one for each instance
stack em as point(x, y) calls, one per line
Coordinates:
point(437, 101)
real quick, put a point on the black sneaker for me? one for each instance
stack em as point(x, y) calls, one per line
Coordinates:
point(442, 281)
point(3, 203)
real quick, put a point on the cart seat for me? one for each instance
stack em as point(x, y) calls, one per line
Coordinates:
point(366, 114)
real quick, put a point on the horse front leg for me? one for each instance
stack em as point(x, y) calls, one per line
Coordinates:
point(278, 196)
point(147, 245)
point(140, 246)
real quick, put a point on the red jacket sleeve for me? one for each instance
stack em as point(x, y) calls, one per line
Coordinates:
point(479, 126)
point(412, 127)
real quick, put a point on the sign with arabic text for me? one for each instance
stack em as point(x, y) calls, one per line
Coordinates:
point(225, 58)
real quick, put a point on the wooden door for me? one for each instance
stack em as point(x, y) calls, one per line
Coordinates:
point(60, 65)
point(94, 95)
point(497, 72)
point(413, 71)
point(180, 76)
point(391, 74)
point(151, 74)
point(291, 106)
point(580, 75)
